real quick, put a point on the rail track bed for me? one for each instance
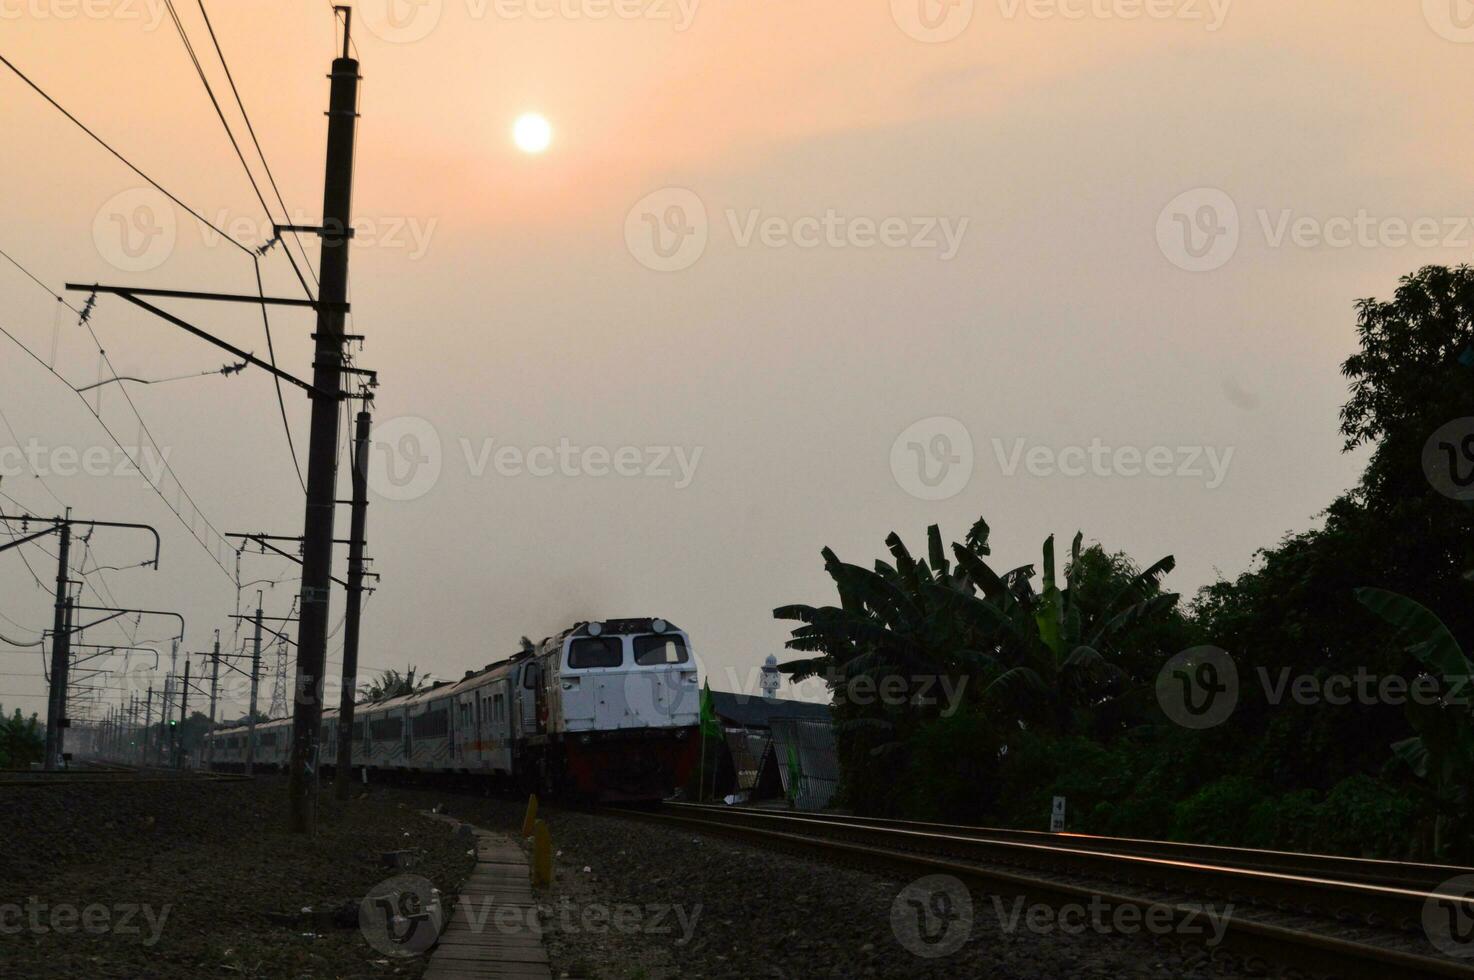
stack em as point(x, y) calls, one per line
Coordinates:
point(88, 773)
point(1315, 914)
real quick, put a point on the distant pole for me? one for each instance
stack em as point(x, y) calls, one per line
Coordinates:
point(148, 720)
point(165, 703)
point(183, 707)
point(255, 680)
point(358, 523)
point(61, 651)
point(214, 694)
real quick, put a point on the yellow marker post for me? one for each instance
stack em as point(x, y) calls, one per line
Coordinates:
point(531, 817)
point(542, 855)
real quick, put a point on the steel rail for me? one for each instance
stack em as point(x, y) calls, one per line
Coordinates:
point(894, 848)
point(1372, 871)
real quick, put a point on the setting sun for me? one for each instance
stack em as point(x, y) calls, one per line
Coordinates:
point(532, 133)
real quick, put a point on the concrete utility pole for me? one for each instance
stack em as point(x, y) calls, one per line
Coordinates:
point(183, 708)
point(322, 455)
point(358, 523)
point(54, 755)
point(165, 705)
point(255, 681)
point(148, 720)
point(61, 651)
point(214, 692)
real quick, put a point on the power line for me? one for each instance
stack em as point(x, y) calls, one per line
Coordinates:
point(126, 162)
point(286, 212)
point(136, 464)
point(84, 317)
point(280, 401)
point(235, 144)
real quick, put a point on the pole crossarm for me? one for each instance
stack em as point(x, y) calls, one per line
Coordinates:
point(122, 612)
point(216, 297)
point(264, 540)
point(30, 537)
point(131, 295)
point(57, 522)
point(103, 650)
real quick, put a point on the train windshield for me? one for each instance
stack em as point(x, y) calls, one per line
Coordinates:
point(596, 651)
point(657, 650)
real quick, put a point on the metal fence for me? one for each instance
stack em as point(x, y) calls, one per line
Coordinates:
point(808, 761)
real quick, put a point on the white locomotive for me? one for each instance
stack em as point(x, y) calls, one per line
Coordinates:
point(604, 710)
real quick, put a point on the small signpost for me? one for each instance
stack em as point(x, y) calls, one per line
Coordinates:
point(1057, 817)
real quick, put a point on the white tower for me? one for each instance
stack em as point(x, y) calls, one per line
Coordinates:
point(771, 678)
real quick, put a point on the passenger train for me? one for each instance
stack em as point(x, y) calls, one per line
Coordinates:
point(601, 711)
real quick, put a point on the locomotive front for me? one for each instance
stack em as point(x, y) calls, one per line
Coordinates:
point(625, 702)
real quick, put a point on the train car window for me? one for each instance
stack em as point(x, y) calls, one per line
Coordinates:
point(386, 728)
point(358, 731)
point(530, 675)
point(654, 650)
point(596, 651)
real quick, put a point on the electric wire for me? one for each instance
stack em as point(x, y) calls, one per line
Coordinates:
point(271, 178)
point(125, 161)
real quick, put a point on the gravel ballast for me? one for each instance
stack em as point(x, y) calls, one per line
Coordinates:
point(200, 879)
point(634, 900)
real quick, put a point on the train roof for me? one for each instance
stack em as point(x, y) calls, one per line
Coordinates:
point(474, 678)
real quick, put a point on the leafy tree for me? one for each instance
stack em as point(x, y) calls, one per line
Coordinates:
point(392, 684)
point(22, 741)
point(1023, 659)
point(1441, 754)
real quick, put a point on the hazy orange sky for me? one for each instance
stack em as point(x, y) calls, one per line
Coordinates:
point(1069, 148)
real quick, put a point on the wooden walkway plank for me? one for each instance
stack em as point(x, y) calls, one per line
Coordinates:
point(493, 931)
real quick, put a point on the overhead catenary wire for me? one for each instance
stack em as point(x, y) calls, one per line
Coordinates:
point(270, 177)
point(125, 161)
point(85, 319)
point(280, 401)
point(136, 464)
point(230, 134)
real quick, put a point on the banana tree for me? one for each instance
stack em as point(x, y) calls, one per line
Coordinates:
point(1442, 752)
point(1033, 654)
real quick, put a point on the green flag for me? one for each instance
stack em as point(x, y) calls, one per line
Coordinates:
point(795, 773)
point(709, 725)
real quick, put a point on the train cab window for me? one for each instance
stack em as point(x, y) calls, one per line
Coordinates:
point(530, 675)
point(655, 650)
point(596, 651)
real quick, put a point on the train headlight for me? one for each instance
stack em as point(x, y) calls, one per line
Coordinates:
point(595, 629)
point(658, 625)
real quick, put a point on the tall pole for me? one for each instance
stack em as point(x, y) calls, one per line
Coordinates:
point(148, 720)
point(255, 680)
point(214, 692)
point(183, 707)
point(358, 523)
point(166, 702)
point(322, 454)
point(61, 651)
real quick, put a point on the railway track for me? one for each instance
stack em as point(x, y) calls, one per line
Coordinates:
point(96, 773)
point(1317, 914)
